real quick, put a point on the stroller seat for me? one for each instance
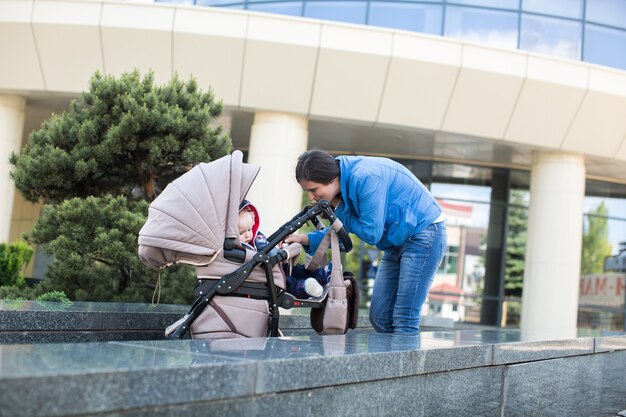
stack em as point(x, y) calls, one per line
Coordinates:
point(239, 290)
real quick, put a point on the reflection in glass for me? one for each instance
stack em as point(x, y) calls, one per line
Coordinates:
point(408, 16)
point(605, 46)
point(603, 274)
point(463, 174)
point(456, 291)
point(501, 4)
point(490, 27)
point(287, 7)
point(565, 8)
point(341, 11)
point(515, 256)
point(614, 209)
point(219, 3)
point(556, 37)
point(608, 12)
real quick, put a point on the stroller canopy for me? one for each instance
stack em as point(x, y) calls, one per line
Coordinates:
point(189, 221)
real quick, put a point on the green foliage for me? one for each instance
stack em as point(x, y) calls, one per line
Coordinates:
point(124, 132)
point(94, 243)
point(13, 258)
point(10, 292)
point(58, 296)
point(596, 244)
point(98, 164)
point(516, 244)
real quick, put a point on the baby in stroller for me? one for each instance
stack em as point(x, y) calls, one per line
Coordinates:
point(239, 290)
point(300, 281)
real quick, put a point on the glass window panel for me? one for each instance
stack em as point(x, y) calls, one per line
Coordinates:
point(461, 174)
point(605, 189)
point(565, 8)
point(462, 205)
point(516, 233)
point(341, 11)
point(605, 46)
point(490, 27)
point(556, 37)
point(520, 179)
point(614, 209)
point(500, 4)
point(608, 12)
point(603, 263)
point(175, 1)
point(407, 16)
point(219, 3)
point(290, 8)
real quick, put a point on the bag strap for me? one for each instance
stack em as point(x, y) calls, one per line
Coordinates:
point(336, 275)
point(318, 259)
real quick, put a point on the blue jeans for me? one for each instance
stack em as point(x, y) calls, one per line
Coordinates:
point(403, 279)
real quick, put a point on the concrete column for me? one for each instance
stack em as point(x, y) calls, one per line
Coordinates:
point(276, 141)
point(553, 249)
point(12, 111)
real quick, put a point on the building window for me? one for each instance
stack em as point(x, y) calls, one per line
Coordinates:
point(407, 16)
point(607, 12)
point(218, 3)
point(564, 8)
point(489, 27)
point(605, 46)
point(286, 8)
point(556, 37)
point(500, 4)
point(340, 11)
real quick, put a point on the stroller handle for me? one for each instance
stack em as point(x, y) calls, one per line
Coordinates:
point(323, 208)
point(329, 213)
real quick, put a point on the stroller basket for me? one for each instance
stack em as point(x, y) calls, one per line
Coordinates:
point(245, 301)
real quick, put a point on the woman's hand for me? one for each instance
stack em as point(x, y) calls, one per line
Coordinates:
point(297, 238)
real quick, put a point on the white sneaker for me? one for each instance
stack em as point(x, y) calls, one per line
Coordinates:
point(313, 288)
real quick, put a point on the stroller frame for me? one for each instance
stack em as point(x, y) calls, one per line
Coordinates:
point(234, 283)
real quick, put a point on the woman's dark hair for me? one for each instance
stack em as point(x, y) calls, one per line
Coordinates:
point(317, 166)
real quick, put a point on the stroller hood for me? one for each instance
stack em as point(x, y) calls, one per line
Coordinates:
point(190, 219)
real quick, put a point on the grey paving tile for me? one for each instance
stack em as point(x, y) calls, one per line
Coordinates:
point(610, 343)
point(506, 353)
point(557, 387)
point(469, 392)
point(66, 379)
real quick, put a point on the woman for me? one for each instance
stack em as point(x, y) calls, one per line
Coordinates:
point(384, 204)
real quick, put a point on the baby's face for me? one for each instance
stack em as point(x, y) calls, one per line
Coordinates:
point(245, 226)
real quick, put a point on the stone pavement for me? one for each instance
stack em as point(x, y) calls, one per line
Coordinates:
point(464, 372)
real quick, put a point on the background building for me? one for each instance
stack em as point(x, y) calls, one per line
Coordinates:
point(513, 108)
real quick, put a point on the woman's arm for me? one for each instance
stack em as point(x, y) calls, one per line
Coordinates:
point(310, 241)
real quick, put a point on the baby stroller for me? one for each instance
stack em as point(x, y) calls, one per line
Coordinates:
point(239, 290)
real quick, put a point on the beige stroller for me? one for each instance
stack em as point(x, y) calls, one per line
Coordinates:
point(239, 290)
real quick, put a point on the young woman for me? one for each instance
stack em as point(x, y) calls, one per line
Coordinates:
point(384, 204)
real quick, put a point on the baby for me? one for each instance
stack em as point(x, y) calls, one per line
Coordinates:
point(246, 222)
point(300, 282)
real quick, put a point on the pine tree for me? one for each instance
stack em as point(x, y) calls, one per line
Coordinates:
point(124, 133)
point(98, 165)
point(516, 244)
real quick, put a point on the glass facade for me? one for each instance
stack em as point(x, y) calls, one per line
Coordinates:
point(481, 277)
point(588, 30)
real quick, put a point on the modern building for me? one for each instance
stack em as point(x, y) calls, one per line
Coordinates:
point(510, 106)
